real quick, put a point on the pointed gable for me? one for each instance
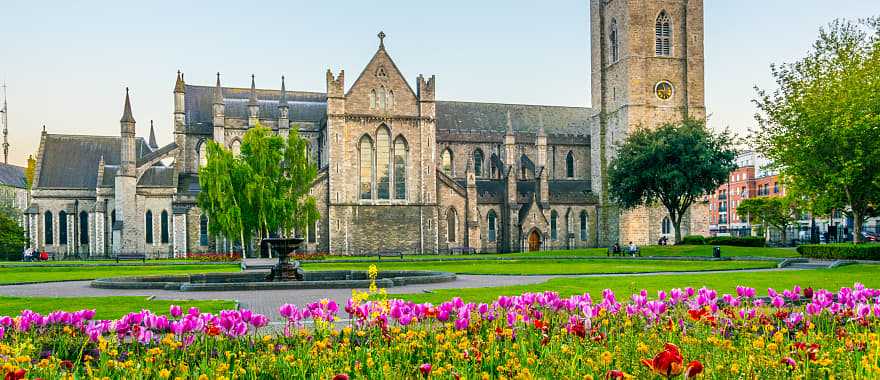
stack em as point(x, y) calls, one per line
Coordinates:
point(381, 74)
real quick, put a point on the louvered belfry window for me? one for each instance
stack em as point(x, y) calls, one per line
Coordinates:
point(663, 35)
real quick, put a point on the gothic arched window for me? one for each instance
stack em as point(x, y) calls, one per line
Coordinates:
point(203, 230)
point(615, 43)
point(383, 163)
point(554, 217)
point(446, 162)
point(583, 225)
point(451, 225)
point(366, 167)
point(83, 227)
point(163, 222)
point(569, 165)
point(235, 148)
point(666, 227)
point(48, 235)
point(390, 103)
point(62, 227)
point(478, 163)
point(373, 99)
point(148, 226)
point(382, 98)
point(400, 153)
point(491, 225)
point(112, 218)
point(663, 35)
point(203, 153)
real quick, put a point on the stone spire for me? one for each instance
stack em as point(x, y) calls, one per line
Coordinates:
point(509, 124)
point(283, 101)
point(252, 101)
point(153, 143)
point(179, 85)
point(218, 91)
point(126, 113)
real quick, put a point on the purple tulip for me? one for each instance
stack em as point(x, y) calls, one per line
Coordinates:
point(175, 311)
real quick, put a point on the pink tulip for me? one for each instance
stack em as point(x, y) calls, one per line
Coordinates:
point(425, 369)
point(175, 311)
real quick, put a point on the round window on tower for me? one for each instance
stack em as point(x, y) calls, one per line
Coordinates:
point(663, 90)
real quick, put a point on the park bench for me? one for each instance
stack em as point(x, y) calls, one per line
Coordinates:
point(624, 251)
point(131, 256)
point(462, 250)
point(395, 254)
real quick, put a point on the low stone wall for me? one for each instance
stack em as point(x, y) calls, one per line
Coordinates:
point(339, 279)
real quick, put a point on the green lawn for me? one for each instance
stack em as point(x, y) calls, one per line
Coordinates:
point(626, 285)
point(651, 250)
point(105, 307)
point(49, 274)
point(535, 267)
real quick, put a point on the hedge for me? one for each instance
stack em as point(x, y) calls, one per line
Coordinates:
point(693, 240)
point(845, 251)
point(746, 241)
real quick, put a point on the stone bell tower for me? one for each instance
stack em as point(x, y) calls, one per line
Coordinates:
point(647, 70)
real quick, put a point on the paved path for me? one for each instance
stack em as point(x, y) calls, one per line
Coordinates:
point(267, 301)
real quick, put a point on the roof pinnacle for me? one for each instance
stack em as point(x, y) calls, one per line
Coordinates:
point(126, 113)
point(283, 101)
point(218, 91)
point(253, 99)
point(381, 36)
point(152, 141)
point(179, 85)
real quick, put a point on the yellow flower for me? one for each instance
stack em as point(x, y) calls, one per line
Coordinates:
point(606, 358)
point(642, 348)
point(203, 377)
point(164, 374)
point(758, 343)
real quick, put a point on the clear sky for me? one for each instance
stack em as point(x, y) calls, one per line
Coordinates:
point(67, 62)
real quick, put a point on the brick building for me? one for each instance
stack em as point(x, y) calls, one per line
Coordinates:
point(750, 179)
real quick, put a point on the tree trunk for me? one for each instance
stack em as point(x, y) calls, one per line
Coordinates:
point(676, 224)
point(857, 227)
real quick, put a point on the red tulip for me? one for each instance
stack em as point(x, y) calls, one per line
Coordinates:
point(15, 375)
point(667, 363)
point(615, 374)
point(425, 369)
point(340, 376)
point(693, 369)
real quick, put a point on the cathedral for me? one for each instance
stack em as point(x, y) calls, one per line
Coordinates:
point(398, 169)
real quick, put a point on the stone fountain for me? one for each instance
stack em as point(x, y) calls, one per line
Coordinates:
point(283, 247)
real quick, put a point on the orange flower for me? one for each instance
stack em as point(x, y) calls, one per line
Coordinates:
point(696, 315)
point(667, 363)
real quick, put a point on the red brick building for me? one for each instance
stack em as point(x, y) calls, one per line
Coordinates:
point(749, 180)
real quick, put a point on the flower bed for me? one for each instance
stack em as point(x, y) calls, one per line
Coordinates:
point(215, 257)
point(682, 333)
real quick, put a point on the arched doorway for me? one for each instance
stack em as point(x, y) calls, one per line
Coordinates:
point(534, 241)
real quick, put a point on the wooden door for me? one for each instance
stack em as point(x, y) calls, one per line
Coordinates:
point(534, 241)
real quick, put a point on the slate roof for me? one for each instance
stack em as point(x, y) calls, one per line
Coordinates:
point(492, 117)
point(71, 161)
point(571, 192)
point(304, 106)
point(13, 176)
point(157, 176)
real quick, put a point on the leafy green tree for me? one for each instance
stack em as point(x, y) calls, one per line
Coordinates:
point(12, 240)
point(673, 165)
point(263, 191)
point(776, 212)
point(820, 126)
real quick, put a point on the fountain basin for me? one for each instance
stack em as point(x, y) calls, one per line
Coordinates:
point(256, 280)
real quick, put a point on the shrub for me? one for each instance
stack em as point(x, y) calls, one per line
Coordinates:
point(309, 256)
point(693, 240)
point(214, 257)
point(840, 251)
point(745, 241)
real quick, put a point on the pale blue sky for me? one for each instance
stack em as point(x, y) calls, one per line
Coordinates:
point(67, 62)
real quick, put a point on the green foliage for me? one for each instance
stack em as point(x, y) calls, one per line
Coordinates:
point(820, 125)
point(744, 241)
point(262, 191)
point(840, 251)
point(693, 240)
point(29, 171)
point(673, 165)
point(778, 212)
point(12, 240)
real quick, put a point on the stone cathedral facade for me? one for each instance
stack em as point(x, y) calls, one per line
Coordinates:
point(399, 170)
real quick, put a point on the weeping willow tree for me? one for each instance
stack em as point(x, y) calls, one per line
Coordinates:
point(262, 191)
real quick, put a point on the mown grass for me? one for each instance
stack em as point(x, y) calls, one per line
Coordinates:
point(50, 274)
point(549, 266)
point(105, 307)
point(647, 251)
point(624, 286)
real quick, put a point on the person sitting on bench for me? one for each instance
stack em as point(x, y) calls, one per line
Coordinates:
point(633, 249)
point(615, 249)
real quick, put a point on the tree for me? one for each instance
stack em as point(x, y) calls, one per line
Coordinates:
point(777, 212)
point(29, 171)
point(673, 165)
point(263, 191)
point(12, 240)
point(820, 125)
